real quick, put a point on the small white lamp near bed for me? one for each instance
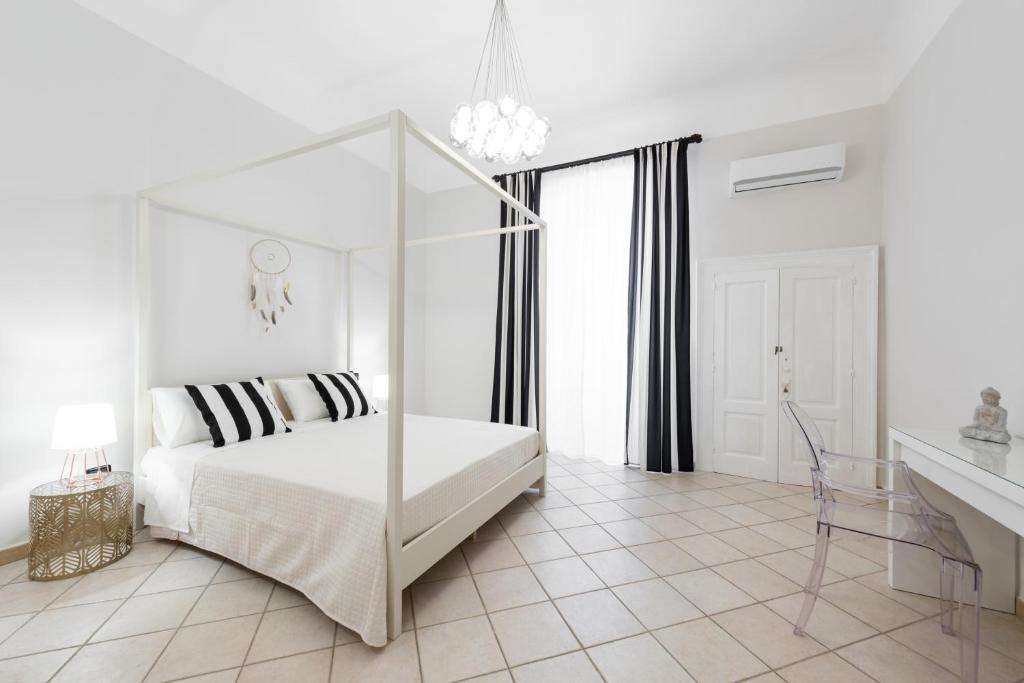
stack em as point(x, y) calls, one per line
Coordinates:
point(380, 391)
point(82, 431)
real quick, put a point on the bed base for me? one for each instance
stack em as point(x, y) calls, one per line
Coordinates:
point(424, 551)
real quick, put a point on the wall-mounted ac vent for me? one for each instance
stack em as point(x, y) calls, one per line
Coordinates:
point(823, 164)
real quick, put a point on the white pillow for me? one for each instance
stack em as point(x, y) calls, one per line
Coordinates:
point(302, 398)
point(176, 420)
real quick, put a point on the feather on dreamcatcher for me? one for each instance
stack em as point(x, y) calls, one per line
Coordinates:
point(269, 289)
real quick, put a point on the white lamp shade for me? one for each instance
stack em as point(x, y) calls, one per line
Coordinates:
point(380, 387)
point(88, 425)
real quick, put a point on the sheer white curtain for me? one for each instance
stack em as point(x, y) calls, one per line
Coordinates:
point(588, 210)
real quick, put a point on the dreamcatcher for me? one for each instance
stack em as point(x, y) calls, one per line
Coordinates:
point(269, 290)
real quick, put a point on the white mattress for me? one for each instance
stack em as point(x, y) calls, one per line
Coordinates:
point(307, 508)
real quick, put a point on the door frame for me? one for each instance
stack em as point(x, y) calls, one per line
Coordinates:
point(864, 260)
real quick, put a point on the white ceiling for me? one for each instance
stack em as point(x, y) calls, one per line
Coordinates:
point(609, 75)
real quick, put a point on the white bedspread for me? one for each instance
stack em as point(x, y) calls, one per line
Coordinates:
point(307, 508)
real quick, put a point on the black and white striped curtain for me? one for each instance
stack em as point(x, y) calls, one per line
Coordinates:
point(514, 392)
point(659, 434)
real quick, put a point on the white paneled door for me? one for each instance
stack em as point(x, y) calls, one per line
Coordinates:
point(746, 374)
point(802, 330)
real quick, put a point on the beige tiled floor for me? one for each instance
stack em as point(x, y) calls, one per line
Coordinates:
point(615, 575)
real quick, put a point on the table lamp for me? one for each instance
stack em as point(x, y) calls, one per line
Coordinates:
point(82, 431)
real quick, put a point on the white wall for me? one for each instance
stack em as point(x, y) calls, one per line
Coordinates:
point(90, 115)
point(951, 223)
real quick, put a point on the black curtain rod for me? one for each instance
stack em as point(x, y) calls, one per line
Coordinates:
point(696, 138)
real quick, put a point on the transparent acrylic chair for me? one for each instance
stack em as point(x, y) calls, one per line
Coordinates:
point(909, 519)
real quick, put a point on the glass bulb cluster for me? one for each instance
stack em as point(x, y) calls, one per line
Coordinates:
point(505, 130)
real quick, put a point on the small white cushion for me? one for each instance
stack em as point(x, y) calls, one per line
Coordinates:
point(176, 420)
point(302, 398)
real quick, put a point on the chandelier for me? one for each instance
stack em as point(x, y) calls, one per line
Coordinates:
point(500, 125)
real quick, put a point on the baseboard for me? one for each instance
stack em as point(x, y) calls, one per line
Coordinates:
point(1020, 607)
point(20, 552)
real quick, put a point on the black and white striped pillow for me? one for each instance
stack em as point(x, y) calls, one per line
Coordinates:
point(237, 411)
point(342, 395)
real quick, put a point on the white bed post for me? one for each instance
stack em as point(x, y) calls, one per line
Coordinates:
point(396, 374)
point(542, 349)
point(141, 429)
point(348, 311)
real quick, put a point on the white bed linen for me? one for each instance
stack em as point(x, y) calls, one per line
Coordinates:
point(307, 508)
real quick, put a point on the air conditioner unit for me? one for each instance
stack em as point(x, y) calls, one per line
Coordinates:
point(823, 164)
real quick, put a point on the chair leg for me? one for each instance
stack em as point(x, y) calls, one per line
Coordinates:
point(948, 575)
point(969, 621)
point(815, 577)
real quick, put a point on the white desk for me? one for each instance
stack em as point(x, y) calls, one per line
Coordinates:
point(980, 484)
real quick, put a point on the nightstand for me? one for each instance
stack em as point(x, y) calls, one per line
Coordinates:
point(76, 529)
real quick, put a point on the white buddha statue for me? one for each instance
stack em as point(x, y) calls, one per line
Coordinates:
point(989, 419)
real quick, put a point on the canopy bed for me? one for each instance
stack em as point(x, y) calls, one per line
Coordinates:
point(351, 533)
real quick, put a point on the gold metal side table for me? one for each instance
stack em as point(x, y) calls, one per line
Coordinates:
point(76, 529)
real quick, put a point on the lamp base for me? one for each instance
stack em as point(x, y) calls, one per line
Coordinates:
point(77, 472)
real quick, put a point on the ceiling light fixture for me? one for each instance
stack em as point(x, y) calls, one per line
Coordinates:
point(500, 125)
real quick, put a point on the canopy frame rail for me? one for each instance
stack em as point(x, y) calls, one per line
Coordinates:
point(405, 559)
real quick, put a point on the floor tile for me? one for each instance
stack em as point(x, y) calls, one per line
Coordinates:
point(548, 545)
point(458, 649)
point(491, 530)
point(709, 520)
point(566, 577)
point(440, 601)
point(448, 567)
point(829, 625)
point(12, 570)
point(290, 631)
point(796, 567)
point(585, 495)
point(598, 617)
point(770, 490)
point(709, 591)
point(756, 579)
point(743, 514)
point(870, 607)
point(749, 542)
point(665, 558)
point(844, 562)
point(589, 539)
point(1003, 633)
point(145, 553)
point(926, 638)
point(126, 660)
point(518, 505)
point(870, 547)
point(710, 498)
point(206, 647)
point(314, 667)
point(358, 663)
point(553, 499)
point(887, 661)
point(774, 509)
point(565, 482)
point(606, 511)
point(148, 613)
point(31, 596)
point(597, 479)
point(188, 552)
point(564, 518)
point(58, 628)
point(618, 566)
point(640, 658)
point(709, 550)
point(632, 532)
point(785, 534)
point(231, 599)
point(524, 523)
point(740, 493)
point(507, 588)
point(9, 625)
point(676, 502)
point(184, 574)
point(285, 596)
point(532, 632)
point(826, 667)
point(34, 668)
point(879, 582)
point(497, 677)
point(486, 556)
point(222, 676)
point(230, 571)
point(709, 653)
point(656, 604)
point(101, 586)
point(618, 491)
point(768, 635)
point(672, 526)
point(643, 507)
point(575, 667)
point(650, 488)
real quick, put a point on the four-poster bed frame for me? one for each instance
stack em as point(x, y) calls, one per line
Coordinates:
point(405, 561)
